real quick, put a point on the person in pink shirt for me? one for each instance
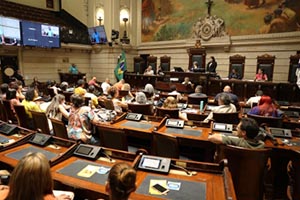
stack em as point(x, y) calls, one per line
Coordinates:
point(261, 76)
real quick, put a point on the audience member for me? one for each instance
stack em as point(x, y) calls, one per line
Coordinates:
point(129, 97)
point(35, 82)
point(17, 75)
point(73, 69)
point(57, 109)
point(149, 92)
point(187, 81)
point(265, 107)
point(234, 74)
point(198, 92)
point(32, 179)
point(80, 121)
point(174, 92)
point(171, 103)
point(3, 88)
point(227, 90)
point(255, 99)
point(247, 130)
point(29, 103)
point(149, 71)
point(225, 106)
point(121, 181)
point(53, 86)
point(17, 85)
point(64, 86)
point(12, 97)
point(90, 94)
point(118, 105)
point(140, 98)
point(261, 76)
point(80, 88)
point(212, 65)
point(119, 84)
point(105, 86)
point(93, 82)
point(160, 71)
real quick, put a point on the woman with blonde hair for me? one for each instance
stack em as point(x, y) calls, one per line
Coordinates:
point(31, 179)
point(57, 109)
point(171, 103)
point(121, 181)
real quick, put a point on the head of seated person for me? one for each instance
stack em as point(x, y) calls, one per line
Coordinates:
point(126, 87)
point(170, 102)
point(140, 98)
point(77, 100)
point(64, 86)
point(266, 107)
point(31, 178)
point(149, 89)
point(173, 88)
point(113, 92)
point(247, 128)
point(224, 99)
point(121, 181)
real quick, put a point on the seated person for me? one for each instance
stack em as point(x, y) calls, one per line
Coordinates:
point(121, 181)
point(90, 94)
point(140, 98)
point(196, 67)
point(225, 106)
point(29, 103)
point(80, 121)
point(255, 99)
point(234, 74)
point(149, 71)
point(212, 65)
point(129, 97)
point(93, 82)
point(198, 92)
point(233, 97)
point(105, 86)
point(160, 71)
point(265, 107)
point(149, 90)
point(118, 105)
point(247, 130)
point(73, 69)
point(261, 76)
point(187, 81)
point(174, 92)
point(119, 84)
point(80, 88)
point(171, 102)
point(31, 179)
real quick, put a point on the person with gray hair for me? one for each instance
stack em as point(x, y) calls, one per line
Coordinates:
point(225, 106)
point(149, 92)
point(198, 92)
point(140, 98)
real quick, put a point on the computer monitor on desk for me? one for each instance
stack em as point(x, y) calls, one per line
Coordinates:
point(178, 69)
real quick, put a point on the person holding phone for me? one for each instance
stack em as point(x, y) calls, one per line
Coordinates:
point(121, 181)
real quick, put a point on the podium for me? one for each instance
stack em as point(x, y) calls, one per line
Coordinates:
point(71, 78)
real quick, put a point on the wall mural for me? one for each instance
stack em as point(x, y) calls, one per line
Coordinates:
point(164, 20)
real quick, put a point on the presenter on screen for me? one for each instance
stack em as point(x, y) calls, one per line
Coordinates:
point(95, 37)
point(73, 69)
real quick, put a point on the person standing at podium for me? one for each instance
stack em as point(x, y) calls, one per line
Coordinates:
point(73, 69)
point(212, 65)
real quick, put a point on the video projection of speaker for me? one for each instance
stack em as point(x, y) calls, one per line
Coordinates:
point(40, 35)
point(97, 35)
point(10, 31)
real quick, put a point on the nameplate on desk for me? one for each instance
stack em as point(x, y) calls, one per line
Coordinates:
point(175, 123)
point(222, 127)
point(155, 163)
point(134, 116)
point(280, 132)
point(8, 129)
point(87, 151)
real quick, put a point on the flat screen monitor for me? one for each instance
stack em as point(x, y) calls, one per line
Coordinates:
point(40, 35)
point(178, 69)
point(10, 31)
point(97, 35)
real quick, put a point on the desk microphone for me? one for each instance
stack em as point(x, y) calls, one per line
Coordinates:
point(107, 156)
point(190, 173)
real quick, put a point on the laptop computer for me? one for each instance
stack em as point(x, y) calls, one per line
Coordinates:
point(178, 69)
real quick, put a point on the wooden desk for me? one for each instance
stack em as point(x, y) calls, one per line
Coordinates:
point(71, 78)
point(56, 151)
point(86, 188)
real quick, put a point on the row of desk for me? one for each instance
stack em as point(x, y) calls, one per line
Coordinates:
point(212, 180)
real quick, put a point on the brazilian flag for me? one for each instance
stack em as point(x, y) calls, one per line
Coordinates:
point(121, 66)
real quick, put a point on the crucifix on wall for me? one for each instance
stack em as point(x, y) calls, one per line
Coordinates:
point(209, 4)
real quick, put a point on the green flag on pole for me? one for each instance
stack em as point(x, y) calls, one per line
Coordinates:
point(121, 66)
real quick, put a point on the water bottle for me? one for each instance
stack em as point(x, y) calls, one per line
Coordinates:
point(201, 106)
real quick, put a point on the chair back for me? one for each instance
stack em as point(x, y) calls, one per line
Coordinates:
point(51, 92)
point(111, 137)
point(172, 113)
point(269, 121)
point(109, 105)
point(266, 62)
point(9, 112)
point(123, 93)
point(22, 117)
point(145, 109)
point(59, 128)
point(87, 100)
point(165, 63)
point(166, 95)
point(68, 96)
point(3, 115)
point(165, 145)
point(247, 167)
point(296, 168)
point(237, 62)
point(197, 100)
point(228, 118)
point(40, 122)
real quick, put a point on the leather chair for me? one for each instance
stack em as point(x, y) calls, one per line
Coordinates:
point(247, 167)
point(229, 118)
point(165, 63)
point(152, 61)
point(114, 138)
point(145, 109)
point(51, 92)
point(109, 105)
point(138, 65)
point(269, 121)
point(199, 55)
point(123, 93)
point(266, 62)
point(9, 112)
point(294, 59)
point(22, 117)
point(40, 122)
point(166, 95)
point(59, 128)
point(165, 145)
point(237, 62)
point(197, 100)
point(68, 96)
point(172, 113)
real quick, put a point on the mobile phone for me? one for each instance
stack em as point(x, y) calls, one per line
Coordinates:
point(160, 188)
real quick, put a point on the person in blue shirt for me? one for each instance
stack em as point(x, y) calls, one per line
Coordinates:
point(95, 37)
point(73, 69)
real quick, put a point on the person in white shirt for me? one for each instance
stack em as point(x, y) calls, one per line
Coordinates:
point(105, 86)
point(149, 71)
point(174, 92)
point(255, 99)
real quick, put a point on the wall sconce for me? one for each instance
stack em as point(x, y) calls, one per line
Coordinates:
point(100, 16)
